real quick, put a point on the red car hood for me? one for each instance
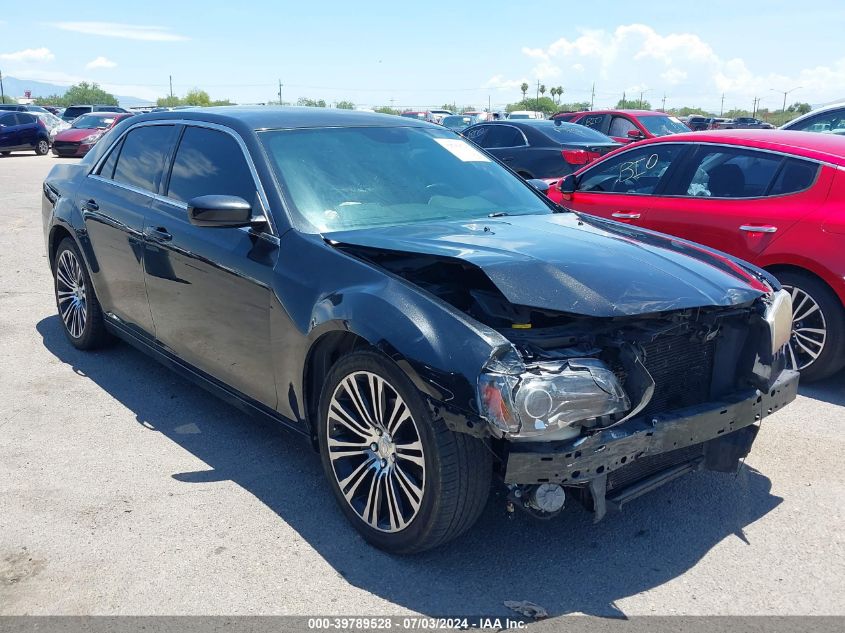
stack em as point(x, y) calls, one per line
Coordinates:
point(74, 135)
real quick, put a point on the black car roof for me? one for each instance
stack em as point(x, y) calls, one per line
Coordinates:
point(271, 117)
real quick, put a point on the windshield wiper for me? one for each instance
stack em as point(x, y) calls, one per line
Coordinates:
point(497, 214)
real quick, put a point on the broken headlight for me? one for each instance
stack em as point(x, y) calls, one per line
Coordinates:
point(548, 399)
point(779, 319)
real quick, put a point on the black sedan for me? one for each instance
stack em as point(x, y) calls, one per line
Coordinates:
point(540, 149)
point(423, 317)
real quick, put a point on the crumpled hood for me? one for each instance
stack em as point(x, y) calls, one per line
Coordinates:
point(571, 263)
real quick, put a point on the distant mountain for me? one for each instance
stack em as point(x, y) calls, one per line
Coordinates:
point(15, 88)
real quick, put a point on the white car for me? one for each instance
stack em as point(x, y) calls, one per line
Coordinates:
point(53, 123)
point(437, 116)
point(829, 119)
point(526, 114)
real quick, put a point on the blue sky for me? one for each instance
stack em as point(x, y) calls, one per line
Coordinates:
point(427, 53)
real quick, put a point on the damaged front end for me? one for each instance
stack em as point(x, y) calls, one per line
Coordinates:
point(606, 408)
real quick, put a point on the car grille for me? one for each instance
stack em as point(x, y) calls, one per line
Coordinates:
point(65, 147)
point(682, 369)
point(651, 464)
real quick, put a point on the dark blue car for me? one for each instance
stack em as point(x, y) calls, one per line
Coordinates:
point(21, 131)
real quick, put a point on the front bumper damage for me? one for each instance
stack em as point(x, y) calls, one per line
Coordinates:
point(619, 464)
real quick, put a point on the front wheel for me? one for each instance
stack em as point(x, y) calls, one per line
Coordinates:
point(42, 147)
point(817, 345)
point(404, 480)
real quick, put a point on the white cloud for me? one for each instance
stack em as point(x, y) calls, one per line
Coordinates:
point(100, 62)
point(122, 31)
point(636, 57)
point(497, 82)
point(29, 55)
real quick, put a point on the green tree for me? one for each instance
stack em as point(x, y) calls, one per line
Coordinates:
point(345, 105)
point(196, 97)
point(686, 111)
point(799, 108)
point(451, 107)
point(168, 102)
point(524, 88)
point(311, 103)
point(83, 92)
point(577, 106)
point(632, 104)
point(543, 104)
point(542, 90)
point(7, 99)
point(387, 110)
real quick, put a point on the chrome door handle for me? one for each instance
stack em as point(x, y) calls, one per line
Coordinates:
point(90, 205)
point(158, 234)
point(758, 229)
point(625, 215)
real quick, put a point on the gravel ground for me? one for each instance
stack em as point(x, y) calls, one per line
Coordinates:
point(126, 490)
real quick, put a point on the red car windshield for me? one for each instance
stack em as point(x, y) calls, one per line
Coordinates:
point(663, 125)
point(93, 122)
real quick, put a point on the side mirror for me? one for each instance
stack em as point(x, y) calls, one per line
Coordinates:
point(540, 185)
point(635, 134)
point(568, 184)
point(219, 211)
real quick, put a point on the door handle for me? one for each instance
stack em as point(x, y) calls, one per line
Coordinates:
point(626, 215)
point(767, 228)
point(91, 205)
point(158, 234)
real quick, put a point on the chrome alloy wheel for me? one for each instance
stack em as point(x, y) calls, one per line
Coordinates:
point(70, 293)
point(375, 451)
point(809, 330)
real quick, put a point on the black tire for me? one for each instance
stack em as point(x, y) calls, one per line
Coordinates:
point(832, 356)
point(458, 467)
point(5, 153)
point(92, 334)
point(42, 147)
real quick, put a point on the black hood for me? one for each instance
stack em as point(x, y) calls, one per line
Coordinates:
point(570, 263)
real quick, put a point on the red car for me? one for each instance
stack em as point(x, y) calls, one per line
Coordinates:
point(773, 198)
point(626, 126)
point(84, 132)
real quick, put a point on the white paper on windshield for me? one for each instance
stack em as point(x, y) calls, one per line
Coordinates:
point(462, 150)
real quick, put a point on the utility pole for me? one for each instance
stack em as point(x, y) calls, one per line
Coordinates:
point(663, 107)
point(171, 89)
point(593, 96)
point(784, 93)
point(2, 90)
point(537, 100)
point(280, 92)
point(722, 109)
point(641, 99)
point(488, 103)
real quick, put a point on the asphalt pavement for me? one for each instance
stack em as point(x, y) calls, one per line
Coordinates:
point(124, 489)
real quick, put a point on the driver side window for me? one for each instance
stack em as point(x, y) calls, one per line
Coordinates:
point(638, 171)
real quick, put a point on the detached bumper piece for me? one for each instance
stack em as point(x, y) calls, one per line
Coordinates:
point(622, 463)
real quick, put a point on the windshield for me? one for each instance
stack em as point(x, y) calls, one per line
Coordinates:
point(361, 177)
point(663, 125)
point(457, 122)
point(93, 121)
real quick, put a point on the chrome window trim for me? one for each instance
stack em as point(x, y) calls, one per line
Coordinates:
point(262, 195)
point(711, 144)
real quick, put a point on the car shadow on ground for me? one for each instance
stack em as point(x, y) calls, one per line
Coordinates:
point(830, 390)
point(567, 564)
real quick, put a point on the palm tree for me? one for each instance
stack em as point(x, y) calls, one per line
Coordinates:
point(559, 93)
point(542, 89)
point(524, 88)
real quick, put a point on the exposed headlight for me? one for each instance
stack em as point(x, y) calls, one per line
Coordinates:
point(92, 138)
point(779, 318)
point(549, 398)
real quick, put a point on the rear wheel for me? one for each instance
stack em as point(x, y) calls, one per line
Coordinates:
point(79, 310)
point(404, 480)
point(817, 345)
point(42, 147)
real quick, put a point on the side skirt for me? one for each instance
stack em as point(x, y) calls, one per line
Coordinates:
point(221, 390)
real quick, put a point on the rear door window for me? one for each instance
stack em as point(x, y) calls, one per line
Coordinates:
point(594, 121)
point(732, 173)
point(620, 126)
point(830, 122)
point(503, 136)
point(142, 159)
point(210, 162)
point(477, 134)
